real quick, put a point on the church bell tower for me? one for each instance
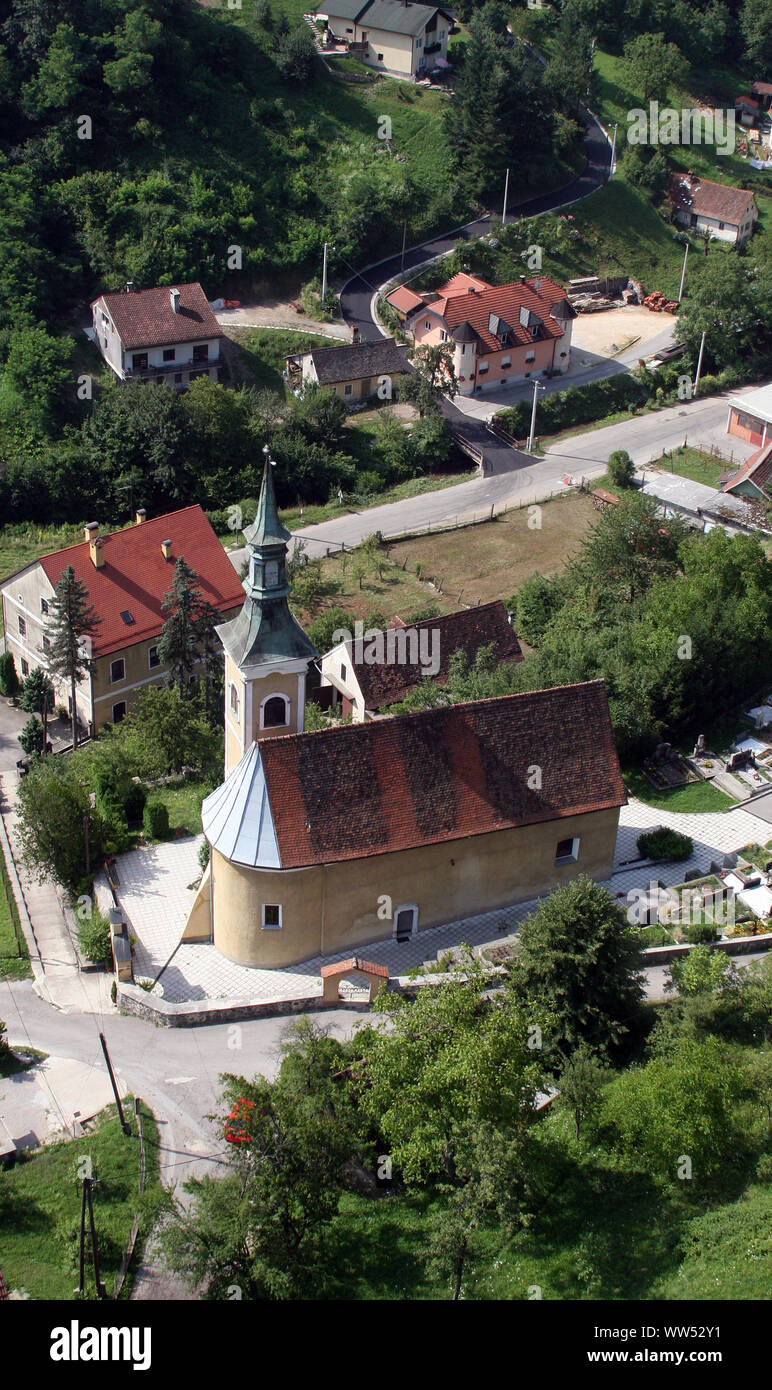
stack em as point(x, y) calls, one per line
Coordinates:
point(267, 653)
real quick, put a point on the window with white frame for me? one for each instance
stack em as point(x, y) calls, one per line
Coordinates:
point(483, 367)
point(348, 389)
point(24, 667)
point(153, 659)
point(530, 357)
point(567, 851)
point(117, 669)
point(506, 361)
point(22, 627)
point(234, 699)
point(271, 920)
point(274, 712)
point(119, 711)
point(44, 605)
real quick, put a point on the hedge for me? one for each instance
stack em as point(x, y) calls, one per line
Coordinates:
point(155, 820)
point(666, 844)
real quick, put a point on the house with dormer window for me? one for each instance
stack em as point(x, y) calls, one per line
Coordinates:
point(500, 334)
point(169, 336)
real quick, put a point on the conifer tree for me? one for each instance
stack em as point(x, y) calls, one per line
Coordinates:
point(188, 635)
point(71, 619)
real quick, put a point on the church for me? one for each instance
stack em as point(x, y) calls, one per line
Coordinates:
point(323, 841)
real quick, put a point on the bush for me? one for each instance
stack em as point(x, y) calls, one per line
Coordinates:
point(134, 803)
point(203, 855)
point(666, 844)
point(703, 934)
point(94, 938)
point(155, 820)
point(621, 469)
point(9, 681)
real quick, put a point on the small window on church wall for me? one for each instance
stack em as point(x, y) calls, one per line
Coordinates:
point(234, 699)
point(275, 712)
point(271, 917)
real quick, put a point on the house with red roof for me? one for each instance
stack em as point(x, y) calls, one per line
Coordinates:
point(126, 574)
point(753, 479)
point(169, 336)
point(500, 334)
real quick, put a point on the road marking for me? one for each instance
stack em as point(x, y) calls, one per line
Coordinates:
point(178, 1080)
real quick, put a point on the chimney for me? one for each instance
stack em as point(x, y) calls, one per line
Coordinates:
point(174, 296)
point(97, 552)
point(522, 279)
point(166, 547)
point(90, 530)
point(129, 286)
point(141, 514)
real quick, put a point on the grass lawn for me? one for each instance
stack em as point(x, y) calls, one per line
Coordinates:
point(14, 961)
point(264, 351)
point(40, 1206)
point(463, 567)
point(601, 1230)
point(182, 800)
point(697, 796)
point(694, 464)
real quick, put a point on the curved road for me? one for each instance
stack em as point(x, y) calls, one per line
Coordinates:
point(357, 294)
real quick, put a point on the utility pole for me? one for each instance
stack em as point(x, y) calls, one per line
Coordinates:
point(324, 273)
point(533, 417)
point(699, 365)
point(506, 195)
point(88, 1200)
point(683, 274)
point(404, 242)
point(124, 1126)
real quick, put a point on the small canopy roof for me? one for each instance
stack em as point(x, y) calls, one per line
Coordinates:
point(237, 818)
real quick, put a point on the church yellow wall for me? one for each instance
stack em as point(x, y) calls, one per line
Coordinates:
point(274, 685)
point(329, 908)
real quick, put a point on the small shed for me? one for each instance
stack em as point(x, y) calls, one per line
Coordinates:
point(365, 970)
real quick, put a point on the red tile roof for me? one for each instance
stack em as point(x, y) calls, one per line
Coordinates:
point(757, 469)
point(441, 775)
point(135, 576)
point(145, 318)
point(706, 199)
point(506, 301)
point(342, 967)
point(404, 299)
point(386, 683)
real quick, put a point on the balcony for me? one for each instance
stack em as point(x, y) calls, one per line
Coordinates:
point(432, 47)
point(168, 368)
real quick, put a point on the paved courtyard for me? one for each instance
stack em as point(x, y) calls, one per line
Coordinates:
point(156, 892)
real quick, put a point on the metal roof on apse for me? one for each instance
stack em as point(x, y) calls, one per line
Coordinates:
point(237, 819)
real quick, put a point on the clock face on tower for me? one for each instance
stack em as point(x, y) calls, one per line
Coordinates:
point(271, 573)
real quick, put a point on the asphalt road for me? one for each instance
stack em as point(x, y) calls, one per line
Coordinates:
point(358, 291)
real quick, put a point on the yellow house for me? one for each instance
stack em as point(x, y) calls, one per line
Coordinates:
point(126, 574)
point(392, 35)
point(356, 372)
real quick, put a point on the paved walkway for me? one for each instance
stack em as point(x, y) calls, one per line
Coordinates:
point(156, 894)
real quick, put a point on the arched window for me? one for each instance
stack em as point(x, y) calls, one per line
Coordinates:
point(275, 712)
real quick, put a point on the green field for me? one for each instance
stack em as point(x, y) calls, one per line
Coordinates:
point(600, 1230)
point(689, 800)
point(40, 1206)
point(694, 464)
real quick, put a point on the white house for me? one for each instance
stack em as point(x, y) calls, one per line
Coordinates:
point(161, 335)
point(392, 35)
point(728, 213)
